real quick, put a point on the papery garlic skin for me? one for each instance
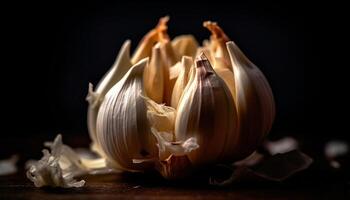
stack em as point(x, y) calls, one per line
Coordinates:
point(207, 112)
point(123, 130)
point(59, 166)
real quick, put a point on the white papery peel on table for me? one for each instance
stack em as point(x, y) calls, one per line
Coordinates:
point(59, 166)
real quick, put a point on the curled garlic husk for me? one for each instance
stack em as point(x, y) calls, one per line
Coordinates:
point(175, 106)
point(59, 166)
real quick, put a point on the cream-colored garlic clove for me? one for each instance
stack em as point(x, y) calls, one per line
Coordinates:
point(154, 76)
point(170, 56)
point(185, 45)
point(217, 45)
point(115, 73)
point(254, 100)
point(226, 75)
point(171, 69)
point(207, 112)
point(181, 80)
point(123, 130)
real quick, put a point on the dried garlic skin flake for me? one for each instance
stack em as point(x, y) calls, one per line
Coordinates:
point(59, 166)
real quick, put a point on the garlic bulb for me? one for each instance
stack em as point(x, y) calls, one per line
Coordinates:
point(161, 110)
point(218, 114)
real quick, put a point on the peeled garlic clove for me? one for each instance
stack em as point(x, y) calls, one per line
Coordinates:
point(116, 72)
point(144, 48)
point(154, 76)
point(185, 45)
point(254, 100)
point(181, 80)
point(207, 112)
point(123, 130)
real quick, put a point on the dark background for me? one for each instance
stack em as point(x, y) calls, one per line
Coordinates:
point(52, 51)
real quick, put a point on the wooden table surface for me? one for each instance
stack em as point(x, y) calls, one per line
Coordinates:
point(305, 185)
point(143, 187)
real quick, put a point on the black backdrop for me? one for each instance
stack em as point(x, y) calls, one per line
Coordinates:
point(55, 49)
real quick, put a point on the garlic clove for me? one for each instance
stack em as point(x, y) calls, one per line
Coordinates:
point(144, 49)
point(207, 112)
point(185, 45)
point(123, 130)
point(217, 45)
point(254, 100)
point(170, 56)
point(115, 73)
point(171, 70)
point(226, 75)
point(181, 80)
point(154, 76)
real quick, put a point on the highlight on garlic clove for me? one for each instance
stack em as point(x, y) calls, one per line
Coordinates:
point(254, 100)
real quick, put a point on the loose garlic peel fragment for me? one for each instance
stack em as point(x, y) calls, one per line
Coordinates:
point(160, 110)
point(59, 166)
